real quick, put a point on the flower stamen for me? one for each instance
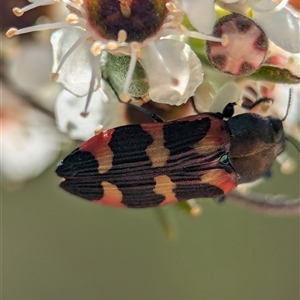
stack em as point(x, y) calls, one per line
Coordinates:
point(134, 50)
point(122, 36)
point(11, 32)
point(20, 11)
point(72, 19)
point(78, 2)
point(96, 75)
point(98, 129)
point(96, 48)
point(14, 31)
point(202, 36)
point(125, 6)
point(172, 8)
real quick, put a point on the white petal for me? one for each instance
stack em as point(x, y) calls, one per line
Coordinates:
point(234, 6)
point(282, 28)
point(76, 72)
point(25, 157)
point(26, 73)
point(230, 1)
point(265, 5)
point(289, 61)
point(182, 64)
point(33, 78)
point(201, 14)
point(104, 110)
point(29, 140)
point(229, 92)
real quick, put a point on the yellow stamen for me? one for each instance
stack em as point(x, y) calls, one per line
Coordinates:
point(98, 129)
point(122, 36)
point(225, 40)
point(112, 45)
point(96, 48)
point(72, 19)
point(125, 97)
point(11, 32)
point(171, 7)
point(195, 209)
point(125, 6)
point(78, 2)
point(18, 11)
point(239, 102)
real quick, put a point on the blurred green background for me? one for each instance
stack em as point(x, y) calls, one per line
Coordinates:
point(56, 246)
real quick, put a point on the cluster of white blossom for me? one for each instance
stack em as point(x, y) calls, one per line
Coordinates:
point(107, 51)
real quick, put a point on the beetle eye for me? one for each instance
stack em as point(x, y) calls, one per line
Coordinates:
point(276, 125)
point(224, 159)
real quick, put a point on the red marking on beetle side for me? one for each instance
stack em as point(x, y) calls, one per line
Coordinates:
point(98, 146)
point(112, 196)
point(221, 179)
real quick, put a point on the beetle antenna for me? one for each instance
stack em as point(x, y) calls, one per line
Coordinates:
point(288, 106)
point(293, 143)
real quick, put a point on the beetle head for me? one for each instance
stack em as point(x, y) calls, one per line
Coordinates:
point(254, 144)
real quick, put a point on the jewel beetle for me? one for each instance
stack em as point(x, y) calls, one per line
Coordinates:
point(154, 164)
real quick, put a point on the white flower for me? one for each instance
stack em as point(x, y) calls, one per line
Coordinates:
point(186, 69)
point(25, 74)
point(278, 20)
point(29, 139)
point(123, 28)
point(282, 27)
point(105, 110)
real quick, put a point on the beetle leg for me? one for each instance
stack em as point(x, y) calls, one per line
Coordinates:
point(258, 102)
point(268, 174)
point(152, 115)
point(221, 199)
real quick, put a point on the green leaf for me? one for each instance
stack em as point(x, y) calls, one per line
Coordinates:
point(275, 74)
point(115, 68)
